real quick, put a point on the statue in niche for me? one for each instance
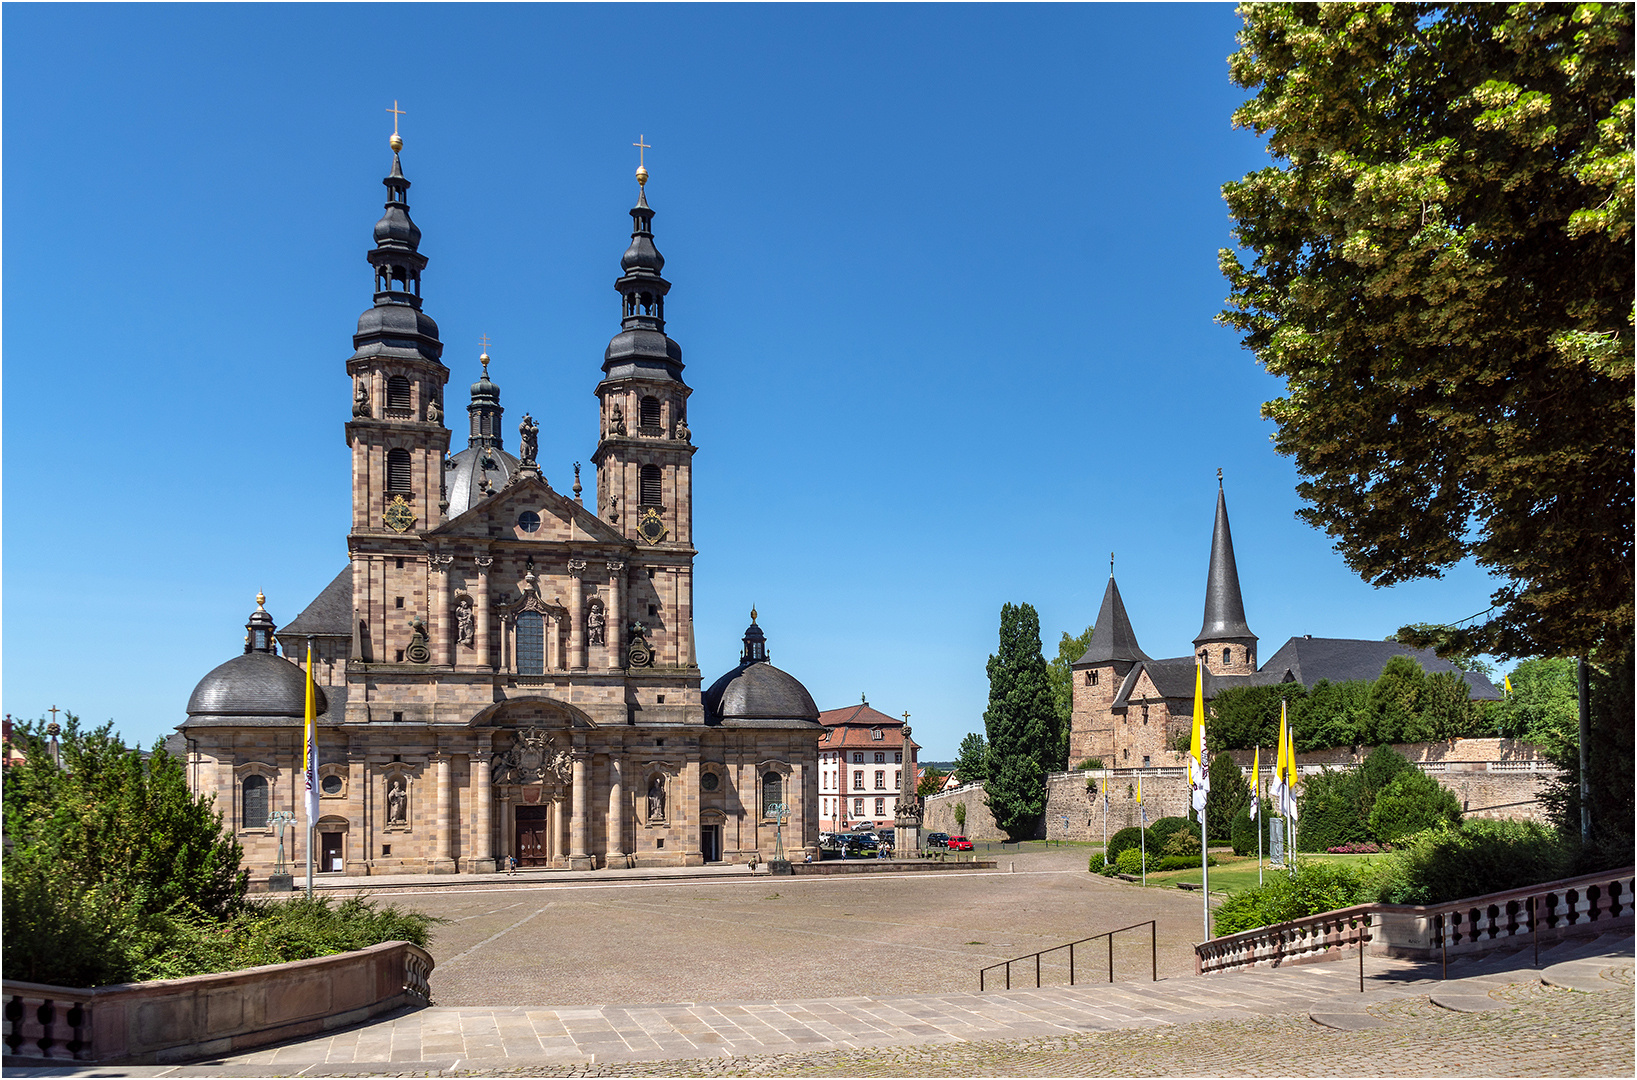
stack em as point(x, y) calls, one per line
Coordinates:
point(530, 434)
point(594, 624)
point(682, 431)
point(397, 802)
point(465, 622)
point(613, 509)
point(434, 412)
point(616, 420)
point(656, 799)
point(360, 399)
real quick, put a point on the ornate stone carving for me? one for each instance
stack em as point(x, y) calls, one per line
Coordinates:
point(576, 566)
point(529, 433)
point(682, 431)
point(615, 566)
point(465, 621)
point(595, 623)
point(639, 652)
point(360, 399)
point(417, 652)
point(613, 509)
point(483, 561)
point(533, 757)
point(656, 799)
point(397, 801)
point(616, 420)
point(434, 411)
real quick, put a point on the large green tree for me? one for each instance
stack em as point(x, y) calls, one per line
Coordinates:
point(1021, 723)
point(972, 763)
point(1542, 706)
point(1440, 267)
point(1069, 649)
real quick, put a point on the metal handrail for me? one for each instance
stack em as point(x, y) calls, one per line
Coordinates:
point(1153, 956)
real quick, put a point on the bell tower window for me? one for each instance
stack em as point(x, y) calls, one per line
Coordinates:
point(650, 485)
point(398, 392)
point(648, 415)
point(531, 643)
point(398, 470)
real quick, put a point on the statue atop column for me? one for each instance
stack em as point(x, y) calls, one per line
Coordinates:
point(530, 433)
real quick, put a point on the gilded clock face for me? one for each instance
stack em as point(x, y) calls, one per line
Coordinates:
point(399, 517)
point(651, 528)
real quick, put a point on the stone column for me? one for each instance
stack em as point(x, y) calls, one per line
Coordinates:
point(483, 861)
point(559, 828)
point(508, 826)
point(576, 615)
point(616, 811)
point(579, 857)
point(362, 848)
point(443, 863)
point(481, 636)
point(443, 651)
point(614, 632)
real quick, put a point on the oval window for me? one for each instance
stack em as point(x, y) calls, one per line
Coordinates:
point(528, 521)
point(330, 785)
point(709, 781)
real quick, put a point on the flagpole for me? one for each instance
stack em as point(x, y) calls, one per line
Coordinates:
point(1202, 788)
point(309, 766)
point(1142, 831)
point(1256, 808)
point(1105, 818)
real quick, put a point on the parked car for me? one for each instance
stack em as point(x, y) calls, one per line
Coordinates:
point(937, 839)
point(858, 844)
point(959, 843)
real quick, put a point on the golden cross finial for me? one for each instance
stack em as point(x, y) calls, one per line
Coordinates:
point(396, 142)
point(906, 716)
point(642, 167)
point(483, 356)
point(1219, 478)
point(53, 711)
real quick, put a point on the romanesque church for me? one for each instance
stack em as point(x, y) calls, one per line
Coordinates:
point(1129, 709)
point(501, 670)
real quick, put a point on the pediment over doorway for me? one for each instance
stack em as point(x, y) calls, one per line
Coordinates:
point(531, 712)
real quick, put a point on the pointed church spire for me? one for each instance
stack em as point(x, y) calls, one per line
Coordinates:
point(1112, 638)
point(1224, 607)
point(394, 326)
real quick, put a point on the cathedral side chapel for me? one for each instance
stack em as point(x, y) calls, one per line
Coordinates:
point(501, 671)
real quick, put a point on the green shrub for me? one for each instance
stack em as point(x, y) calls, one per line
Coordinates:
point(1181, 862)
point(1412, 803)
point(1480, 857)
point(1129, 837)
point(1130, 861)
point(1230, 793)
point(1181, 842)
point(1163, 829)
point(1316, 887)
point(1329, 805)
point(1245, 829)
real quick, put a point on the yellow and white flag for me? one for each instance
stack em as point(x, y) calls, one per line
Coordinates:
point(1199, 776)
point(1276, 790)
point(309, 747)
point(1287, 785)
point(1256, 783)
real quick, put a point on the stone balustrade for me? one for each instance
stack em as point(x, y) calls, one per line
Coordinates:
point(174, 1020)
point(1575, 907)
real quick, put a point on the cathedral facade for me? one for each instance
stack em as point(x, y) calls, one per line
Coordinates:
point(501, 671)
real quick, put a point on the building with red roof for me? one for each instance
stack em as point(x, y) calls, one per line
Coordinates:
point(862, 755)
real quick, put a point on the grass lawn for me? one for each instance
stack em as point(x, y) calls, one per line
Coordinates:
point(1235, 874)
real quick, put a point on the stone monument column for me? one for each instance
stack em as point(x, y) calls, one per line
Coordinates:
point(616, 811)
point(444, 651)
point(576, 615)
point(614, 631)
point(579, 857)
point(443, 863)
point(906, 836)
point(481, 631)
point(483, 828)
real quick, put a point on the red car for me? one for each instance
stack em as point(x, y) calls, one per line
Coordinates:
point(959, 843)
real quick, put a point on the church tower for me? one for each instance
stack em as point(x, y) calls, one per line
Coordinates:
point(644, 455)
point(1099, 675)
point(397, 436)
point(1225, 642)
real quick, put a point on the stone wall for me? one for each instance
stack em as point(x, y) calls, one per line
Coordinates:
point(1495, 778)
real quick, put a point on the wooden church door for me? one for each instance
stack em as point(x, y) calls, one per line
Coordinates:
point(533, 848)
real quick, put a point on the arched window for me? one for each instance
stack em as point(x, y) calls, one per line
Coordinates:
point(648, 412)
point(255, 802)
point(397, 392)
point(1226, 653)
point(772, 790)
point(398, 469)
point(531, 643)
point(650, 487)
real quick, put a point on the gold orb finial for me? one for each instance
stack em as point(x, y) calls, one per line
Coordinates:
point(642, 176)
point(261, 601)
point(753, 613)
point(642, 165)
point(396, 142)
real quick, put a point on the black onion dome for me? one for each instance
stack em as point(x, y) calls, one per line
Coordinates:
point(756, 691)
point(255, 684)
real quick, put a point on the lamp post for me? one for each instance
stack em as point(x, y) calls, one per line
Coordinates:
point(778, 864)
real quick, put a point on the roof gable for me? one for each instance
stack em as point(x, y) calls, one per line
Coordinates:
point(859, 714)
point(330, 613)
point(1112, 638)
point(562, 520)
point(1310, 659)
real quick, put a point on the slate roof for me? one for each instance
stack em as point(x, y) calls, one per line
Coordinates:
point(330, 613)
point(1112, 637)
point(859, 714)
point(1224, 606)
point(1309, 659)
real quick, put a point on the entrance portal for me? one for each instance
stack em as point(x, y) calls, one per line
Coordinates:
point(533, 823)
point(710, 842)
point(329, 852)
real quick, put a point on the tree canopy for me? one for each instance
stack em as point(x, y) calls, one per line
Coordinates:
point(972, 763)
point(1021, 722)
point(1441, 269)
point(1061, 671)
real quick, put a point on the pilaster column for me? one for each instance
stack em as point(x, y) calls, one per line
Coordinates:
point(442, 863)
point(576, 615)
point(578, 857)
point(508, 826)
point(481, 636)
point(483, 828)
point(444, 650)
point(559, 828)
point(614, 632)
point(616, 810)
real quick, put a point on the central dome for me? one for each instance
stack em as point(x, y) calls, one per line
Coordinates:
point(756, 692)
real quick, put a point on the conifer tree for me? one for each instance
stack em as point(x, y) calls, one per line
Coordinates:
point(1021, 722)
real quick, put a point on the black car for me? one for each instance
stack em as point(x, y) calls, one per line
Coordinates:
point(937, 839)
point(857, 844)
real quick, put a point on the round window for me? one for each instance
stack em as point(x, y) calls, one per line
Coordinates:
point(528, 521)
point(710, 781)
point(330, 785)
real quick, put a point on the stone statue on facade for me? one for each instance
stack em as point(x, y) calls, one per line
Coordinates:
point(417, 652)
point(616, 420)
point(397, 802)
point(656, 799)
point(613, 509)
point(594, 624)
point(434, 412)
point(530, 434)
point(682, 431)
point(360, 399)
point(465, 622)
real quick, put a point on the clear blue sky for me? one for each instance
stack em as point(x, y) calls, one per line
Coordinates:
point(944, 278)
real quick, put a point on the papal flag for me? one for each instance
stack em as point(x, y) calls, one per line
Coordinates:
point(1506, 681)
point(1288, 768)
point(309, 747)
point(1142, 811)
point(1199, 777)
point(1255, 783)
point(1276, 790)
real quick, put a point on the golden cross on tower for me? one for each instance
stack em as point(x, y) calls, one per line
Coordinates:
point(906, 716)
point(396, 142)
point(53, 711)
point(642, 167)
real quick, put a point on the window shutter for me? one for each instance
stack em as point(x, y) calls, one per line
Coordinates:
point(650, 486)
point(398, 470)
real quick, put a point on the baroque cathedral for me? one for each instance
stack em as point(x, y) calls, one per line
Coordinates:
point(501, 671)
